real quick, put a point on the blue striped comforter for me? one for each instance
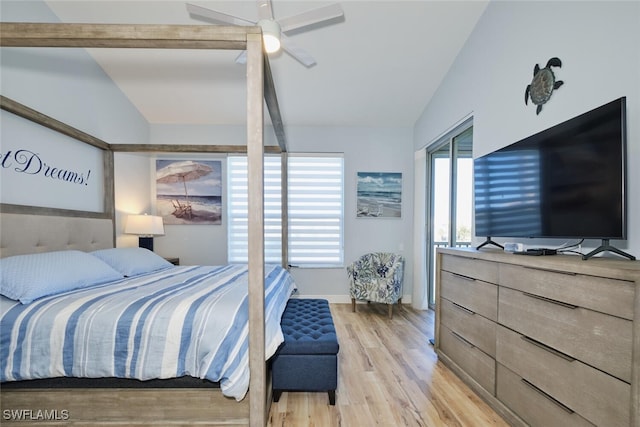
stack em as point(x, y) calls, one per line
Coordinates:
point(187, 320)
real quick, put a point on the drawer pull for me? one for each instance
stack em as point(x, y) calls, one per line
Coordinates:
point(566, 273)
point(552, 301)
point(547, 348)
point(465, 309)
point(464, 340)
point(471, 279)
point(549, 397)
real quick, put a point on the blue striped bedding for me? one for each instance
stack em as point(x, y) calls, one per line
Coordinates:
point(186, 320)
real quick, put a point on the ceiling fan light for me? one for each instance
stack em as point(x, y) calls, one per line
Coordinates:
point(270, 35)
point(271, 43)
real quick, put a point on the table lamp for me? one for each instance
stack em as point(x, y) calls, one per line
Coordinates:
point(146, 227)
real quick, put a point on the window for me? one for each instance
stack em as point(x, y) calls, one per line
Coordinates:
point(315, 210)
point(449, 195)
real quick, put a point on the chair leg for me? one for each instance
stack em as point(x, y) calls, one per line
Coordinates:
point(390, 311)
point(353, 305)
point(276, 395)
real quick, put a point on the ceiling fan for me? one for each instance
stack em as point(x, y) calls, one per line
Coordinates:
point(274, 30)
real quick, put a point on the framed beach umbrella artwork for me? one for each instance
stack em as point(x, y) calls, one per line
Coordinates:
point(379, 195)
point(189, 191)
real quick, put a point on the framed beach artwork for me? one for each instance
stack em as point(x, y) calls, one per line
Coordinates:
point(189, 191)
point(379, 195)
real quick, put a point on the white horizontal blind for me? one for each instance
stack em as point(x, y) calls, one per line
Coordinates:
point(316, 211)
point(315, 214)
point(237, 213)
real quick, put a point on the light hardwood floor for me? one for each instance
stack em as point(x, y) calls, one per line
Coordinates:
point(388, 375)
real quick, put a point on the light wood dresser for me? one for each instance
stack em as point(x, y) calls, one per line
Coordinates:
point(545, 340)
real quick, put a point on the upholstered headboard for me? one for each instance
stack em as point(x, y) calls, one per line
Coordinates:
point(25, 234)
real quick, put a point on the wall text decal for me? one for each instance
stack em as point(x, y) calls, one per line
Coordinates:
point(49, 168)
point(28, 162)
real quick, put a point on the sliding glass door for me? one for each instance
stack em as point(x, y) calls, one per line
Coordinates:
point(449, 195)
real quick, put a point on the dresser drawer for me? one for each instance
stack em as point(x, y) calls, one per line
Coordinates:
point(476, 329)
point(533, 405)
point(470, 267)
point(594, 395)
point(611, 296)
point(480, 366)
point(476, 295)
point(594, 338)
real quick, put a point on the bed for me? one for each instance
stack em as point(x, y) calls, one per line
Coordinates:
point(121, 334)
point(189, 406)
point(139, 317)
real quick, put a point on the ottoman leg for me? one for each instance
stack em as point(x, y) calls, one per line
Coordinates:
point(332, 397)
point(353, 305)
point(276, 395)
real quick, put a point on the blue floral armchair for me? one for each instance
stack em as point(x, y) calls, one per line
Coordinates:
point(377, 277)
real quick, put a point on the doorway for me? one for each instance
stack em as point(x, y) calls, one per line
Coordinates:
point(449, 196)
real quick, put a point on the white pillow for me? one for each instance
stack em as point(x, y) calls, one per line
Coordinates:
point(28, 277)
point(132, 261)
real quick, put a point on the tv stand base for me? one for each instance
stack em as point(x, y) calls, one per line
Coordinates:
point(489, 242)
point(606, 247)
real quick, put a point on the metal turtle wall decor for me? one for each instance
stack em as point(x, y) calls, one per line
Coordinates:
point(543, 84)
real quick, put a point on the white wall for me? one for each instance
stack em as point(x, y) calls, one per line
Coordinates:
point(598, 45)
point(132, 181)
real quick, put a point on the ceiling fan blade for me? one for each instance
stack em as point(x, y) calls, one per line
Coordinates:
point(297, 52)
point(204, 14)
point(311, 17)
point(264, 9)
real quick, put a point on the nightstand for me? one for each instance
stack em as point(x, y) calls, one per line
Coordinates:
point(174, 261)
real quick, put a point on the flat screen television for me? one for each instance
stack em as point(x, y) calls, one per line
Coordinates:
point(567, 181)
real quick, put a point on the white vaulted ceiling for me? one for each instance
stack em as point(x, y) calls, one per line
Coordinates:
point(378, 66)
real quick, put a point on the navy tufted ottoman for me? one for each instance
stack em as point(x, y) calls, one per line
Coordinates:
point(308, 358)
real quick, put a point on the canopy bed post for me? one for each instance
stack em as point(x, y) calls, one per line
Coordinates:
point(259, 84)
point(255, 156)
point(285, 208)
point(271, 100)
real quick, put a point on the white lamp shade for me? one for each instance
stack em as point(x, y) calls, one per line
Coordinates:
point(144, 225)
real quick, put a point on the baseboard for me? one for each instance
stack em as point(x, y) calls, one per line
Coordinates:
point(344, 299)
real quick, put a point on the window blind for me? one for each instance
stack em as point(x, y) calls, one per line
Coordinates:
point(315, 210)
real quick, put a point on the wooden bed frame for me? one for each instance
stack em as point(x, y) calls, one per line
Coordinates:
point(160, 406)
